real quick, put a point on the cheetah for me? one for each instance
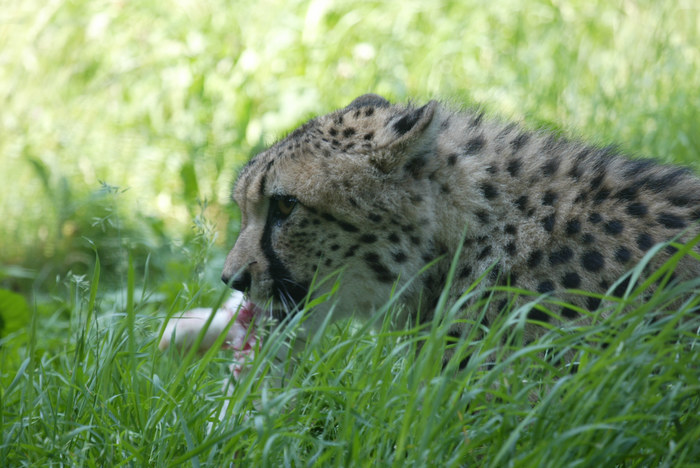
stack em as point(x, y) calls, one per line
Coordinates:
point(391, 197)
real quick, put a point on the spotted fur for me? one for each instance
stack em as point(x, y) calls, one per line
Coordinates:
point(378, 191)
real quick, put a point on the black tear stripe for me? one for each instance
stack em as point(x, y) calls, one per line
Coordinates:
point(282, 282)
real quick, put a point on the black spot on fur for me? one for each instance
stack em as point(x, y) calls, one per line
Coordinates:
point(534, 259)
point(637, 209)
point(694, 216)
point(393, 237)
point(484, 253)
point(521, 203)
point(637, 166)
point(680, 200)
point(573, 227)
point(548, 223)
point(561, 256)
point(601, 196)
point(510, 248)
point(374, 217)
point(510, 229)
point(348, 132)
point(592, 260)
point(465, 271)
point(549, 198)
point(545, 287)
point(351, 251)
point(592, 303)
point(621, 288)
point(520, 141)
point(493, 170)
point(595, 218)
point(645, 241)
point(571, 280)
point(368, 136)
point(345, 226)
point(613, 227)
point(597, 180)
point(452, 159)
point(575, 172)
point(537, 314)
point(415, 165)
point(477, 120)
point(550, 167)
point(382, 273)
point(368, 238)
point(622, 254)
point(333, 131)
point(670, 221)
point(399, 256)
point(626, 194)
point(474, 145)
point(587, 239)
point(568, 312)
point(513, 167)
point(490, 192)
point(483, 216)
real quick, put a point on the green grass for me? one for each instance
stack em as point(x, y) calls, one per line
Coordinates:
point(121, 128)
point(353, 397)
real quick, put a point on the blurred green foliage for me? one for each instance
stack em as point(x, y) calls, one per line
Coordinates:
point(119, 117)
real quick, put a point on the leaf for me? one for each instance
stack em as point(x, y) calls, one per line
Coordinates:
point(14, 312)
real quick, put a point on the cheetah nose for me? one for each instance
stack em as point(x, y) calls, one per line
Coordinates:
point(240, 281)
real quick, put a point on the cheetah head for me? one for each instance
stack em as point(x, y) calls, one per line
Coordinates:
point(331, 200)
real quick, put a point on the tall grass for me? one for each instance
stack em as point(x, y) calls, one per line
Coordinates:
point(356, 397)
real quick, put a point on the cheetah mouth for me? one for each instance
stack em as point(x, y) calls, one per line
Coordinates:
point(244, 331)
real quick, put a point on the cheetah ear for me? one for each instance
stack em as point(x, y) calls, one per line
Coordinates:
point(400, 137)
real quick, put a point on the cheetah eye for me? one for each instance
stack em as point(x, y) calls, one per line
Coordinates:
point(284, 205)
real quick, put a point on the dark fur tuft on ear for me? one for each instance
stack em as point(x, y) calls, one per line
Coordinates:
point(401, 136)
point(405, 123)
